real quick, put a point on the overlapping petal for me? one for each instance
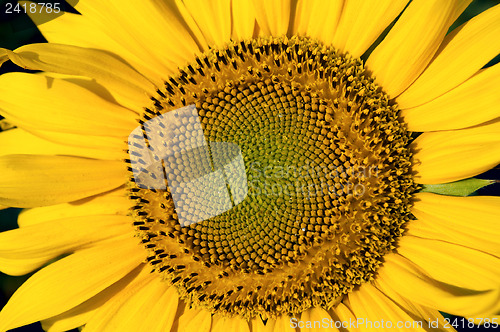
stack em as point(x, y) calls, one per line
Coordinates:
point(410, 45)
point(463, 52)
point(36, 180)
point(473, 102)
point(70, 281)
point(128, 86)
point(453, 155)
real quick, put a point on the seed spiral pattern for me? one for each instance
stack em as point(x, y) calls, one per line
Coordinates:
point(327, 169)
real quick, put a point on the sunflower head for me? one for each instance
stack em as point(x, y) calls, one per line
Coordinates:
point(270, 176)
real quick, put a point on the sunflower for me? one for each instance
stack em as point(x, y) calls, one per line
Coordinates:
point(235, 166)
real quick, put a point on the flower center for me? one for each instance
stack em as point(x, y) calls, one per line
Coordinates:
point(269, 177)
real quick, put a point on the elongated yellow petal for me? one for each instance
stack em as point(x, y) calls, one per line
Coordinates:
point(467, 221)
point(35, 180)
point(129, 87)
point(78, 30)
point(400, 276)
point(453, 264)
point(48, 240)
point(362, 21)
point(318, 317)
point(70, 281)
point(243, 19)
point(19, 266)
point(112, 203)
point(273, 17)
point(283, 324)
point(131, 313)
point(157, 36)
point(318, 18)
point(18, 141)
point(213, 18)
point(471, 103)
point(106, 143)
point(421, 313)
point(162, 314)
point(235, 324)
point(410, 45)
point(195, 320)
point(89, 84)
point(100, 320)
point(345, 317)
point(463, 53)
point(191, 25)
point(448, 156)
point(80, 315)
point(57, 105)
point(373, 307)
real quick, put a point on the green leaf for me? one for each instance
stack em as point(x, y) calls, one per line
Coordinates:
point(458, 188)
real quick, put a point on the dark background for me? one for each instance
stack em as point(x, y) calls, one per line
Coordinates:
point(17, 29)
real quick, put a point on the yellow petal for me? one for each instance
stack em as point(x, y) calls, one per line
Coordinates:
point(243, 19)
point(157, 34)
point(88, 84)
point(318, 18)
point(99, 321)
point(473, 102)
point(235, 324)
point(273, 17)
point(213, 18)
point(345, 317)
point(422, 314)
point(48, 240)
point(129, 87)
point(195, 320)
point(112, 203)
point(79, 315)
point(18, 141)
point(57, 105)
point(19, 267)
point(79, 30)
point(448, 156)
point(372, 307)
point(70, 281)
point(163, 29)
point(410, 45)
point(317, 318)
point(258, 325)
point(161, 316)
point(192, 25)
point(35, 180)
point(82, 141)
point(463, 53)
point(453, 264)
point(131, 312)
point(400, 276)
point(362, 21)
point(467, 221)
point(284, 324)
